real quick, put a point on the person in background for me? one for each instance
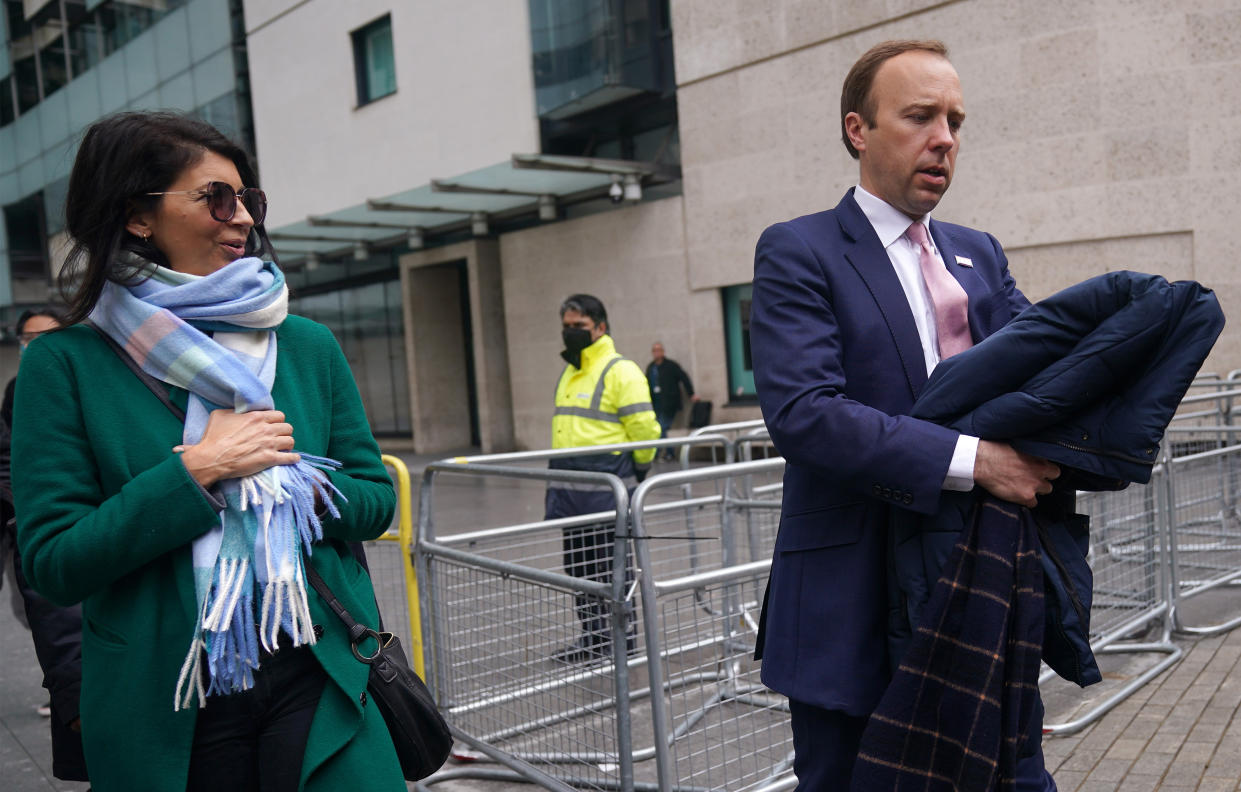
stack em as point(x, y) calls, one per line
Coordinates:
point(56, 631)
point(601, 399)
point(31, 324)
point(207, 661)
point(666, 378)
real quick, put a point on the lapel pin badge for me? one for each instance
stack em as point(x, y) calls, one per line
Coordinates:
point(964, 262)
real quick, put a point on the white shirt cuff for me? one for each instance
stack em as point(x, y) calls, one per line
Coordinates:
point(960, 476)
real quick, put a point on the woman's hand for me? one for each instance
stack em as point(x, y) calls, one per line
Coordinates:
point(238, 444)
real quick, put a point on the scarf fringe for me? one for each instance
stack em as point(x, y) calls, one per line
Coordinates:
point(282, 500)
point(232, 652)
point(191, 678)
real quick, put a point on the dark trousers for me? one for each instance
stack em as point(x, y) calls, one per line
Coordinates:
point(665, 420)
point(57, 635)
point(588, 553)
point(254, 741)
point(825, 746)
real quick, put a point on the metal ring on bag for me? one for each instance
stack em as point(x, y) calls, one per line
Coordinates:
point(379, 645)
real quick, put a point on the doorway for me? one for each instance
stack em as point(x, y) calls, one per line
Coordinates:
point(444, 376)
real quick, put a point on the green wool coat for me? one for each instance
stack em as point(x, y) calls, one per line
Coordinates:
point(106, 514)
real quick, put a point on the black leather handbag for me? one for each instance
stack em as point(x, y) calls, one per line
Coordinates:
point(419, 732)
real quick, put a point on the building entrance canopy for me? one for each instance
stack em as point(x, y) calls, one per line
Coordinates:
point(527, 186)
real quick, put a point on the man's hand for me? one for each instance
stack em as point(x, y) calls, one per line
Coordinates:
point(1011, 475)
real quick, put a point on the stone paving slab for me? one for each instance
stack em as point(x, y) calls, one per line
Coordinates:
point(1179, 732)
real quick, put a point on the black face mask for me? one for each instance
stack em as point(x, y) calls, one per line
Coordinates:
point(575, 340)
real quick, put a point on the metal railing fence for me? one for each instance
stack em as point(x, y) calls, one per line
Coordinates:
point(1132, 592)
point(499, 609)
point(715, 725)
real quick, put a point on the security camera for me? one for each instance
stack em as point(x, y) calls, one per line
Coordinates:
point(616, 192)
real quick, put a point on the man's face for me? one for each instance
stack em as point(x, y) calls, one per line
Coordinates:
point(573, 318)
point(657, 352)
point(907, 157)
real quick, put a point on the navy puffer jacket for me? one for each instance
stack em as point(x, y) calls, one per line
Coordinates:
point(1089, 379)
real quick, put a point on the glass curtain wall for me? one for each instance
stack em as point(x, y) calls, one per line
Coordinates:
point(64, 39)
point(368, 323)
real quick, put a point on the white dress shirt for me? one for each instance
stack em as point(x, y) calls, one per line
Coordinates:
point(890, 225)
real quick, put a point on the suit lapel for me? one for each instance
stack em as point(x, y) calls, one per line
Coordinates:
point(868, 258)
point(975, 288)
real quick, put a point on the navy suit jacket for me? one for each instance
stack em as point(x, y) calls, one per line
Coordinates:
point(838, 364)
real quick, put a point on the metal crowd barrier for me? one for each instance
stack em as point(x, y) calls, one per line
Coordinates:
point(498, 605)
point(1157, 546)
point(715, 725)
point(391, 563)
point(1206, 536)
point(1129, 558)
point(1205, 550)
point(732, 431)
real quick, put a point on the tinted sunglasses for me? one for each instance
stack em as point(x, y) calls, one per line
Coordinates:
point(222, 200)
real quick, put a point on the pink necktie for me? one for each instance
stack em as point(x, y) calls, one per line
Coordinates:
point(948, 299)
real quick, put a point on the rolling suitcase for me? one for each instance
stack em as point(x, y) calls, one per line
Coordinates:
point(700, 414)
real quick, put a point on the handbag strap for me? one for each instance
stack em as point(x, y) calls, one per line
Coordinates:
point(357, 630)
point(154, 385)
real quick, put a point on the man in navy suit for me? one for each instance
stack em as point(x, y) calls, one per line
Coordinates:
point(844, 330)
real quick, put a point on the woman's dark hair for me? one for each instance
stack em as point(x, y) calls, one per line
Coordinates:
point(122, 158)
point(30, 313)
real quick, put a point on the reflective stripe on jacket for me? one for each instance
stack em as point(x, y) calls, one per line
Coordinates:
point(605, 401)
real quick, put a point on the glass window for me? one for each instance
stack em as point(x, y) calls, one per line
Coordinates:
point(367, 321)
point(26, 72)
point(123, 22)
point(52, 61)
point(23, 222)
point(636, 15)
point(373, 60)
point(84, 45)
point(221, 113)
point(7, 114)
point(737, 343)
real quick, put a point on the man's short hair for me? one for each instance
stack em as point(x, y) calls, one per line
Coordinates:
point(586, 305)
point(855, 96)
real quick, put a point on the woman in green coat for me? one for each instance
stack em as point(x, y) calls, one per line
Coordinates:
point(207, 661)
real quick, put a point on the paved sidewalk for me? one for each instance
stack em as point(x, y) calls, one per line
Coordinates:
point(1179, 732)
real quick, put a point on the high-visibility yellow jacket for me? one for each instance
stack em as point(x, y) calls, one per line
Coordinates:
point(605, 401)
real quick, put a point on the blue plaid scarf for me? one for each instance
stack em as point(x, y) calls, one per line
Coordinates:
point(269, 522)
